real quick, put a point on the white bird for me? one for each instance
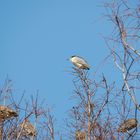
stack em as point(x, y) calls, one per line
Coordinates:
point(79, 62)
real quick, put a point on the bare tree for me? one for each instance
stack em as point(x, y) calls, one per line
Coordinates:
point(123, 43)
point(24, 119)
point(106, 110)
point(87, 116)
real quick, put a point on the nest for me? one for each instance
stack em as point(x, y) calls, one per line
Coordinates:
point(80, 135)
point(127, 125)
point(6, 113)
point(27, 128)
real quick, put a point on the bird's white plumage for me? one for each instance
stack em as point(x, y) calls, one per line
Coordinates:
point(79, 62)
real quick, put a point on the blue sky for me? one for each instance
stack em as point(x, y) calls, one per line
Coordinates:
point(36, 38)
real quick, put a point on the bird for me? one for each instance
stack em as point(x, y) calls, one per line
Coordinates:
point(80, 135)
point(6, 113)
point(127, 125)
point(79, 62)
point(27, 128)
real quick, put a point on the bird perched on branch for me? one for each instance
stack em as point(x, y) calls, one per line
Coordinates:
point(79, 62)
point(6, 113)
point(127, 125)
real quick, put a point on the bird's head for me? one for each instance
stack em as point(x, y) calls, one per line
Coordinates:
point(71, 57)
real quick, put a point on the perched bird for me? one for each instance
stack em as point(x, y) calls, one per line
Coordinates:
point(80, 135)
point(127, 125)
point(6, 113)
point(27, 128)
point(79, 62)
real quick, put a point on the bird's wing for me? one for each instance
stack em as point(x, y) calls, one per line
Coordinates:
point(80, 60)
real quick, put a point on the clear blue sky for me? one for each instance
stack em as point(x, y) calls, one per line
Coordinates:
point(36, 38)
